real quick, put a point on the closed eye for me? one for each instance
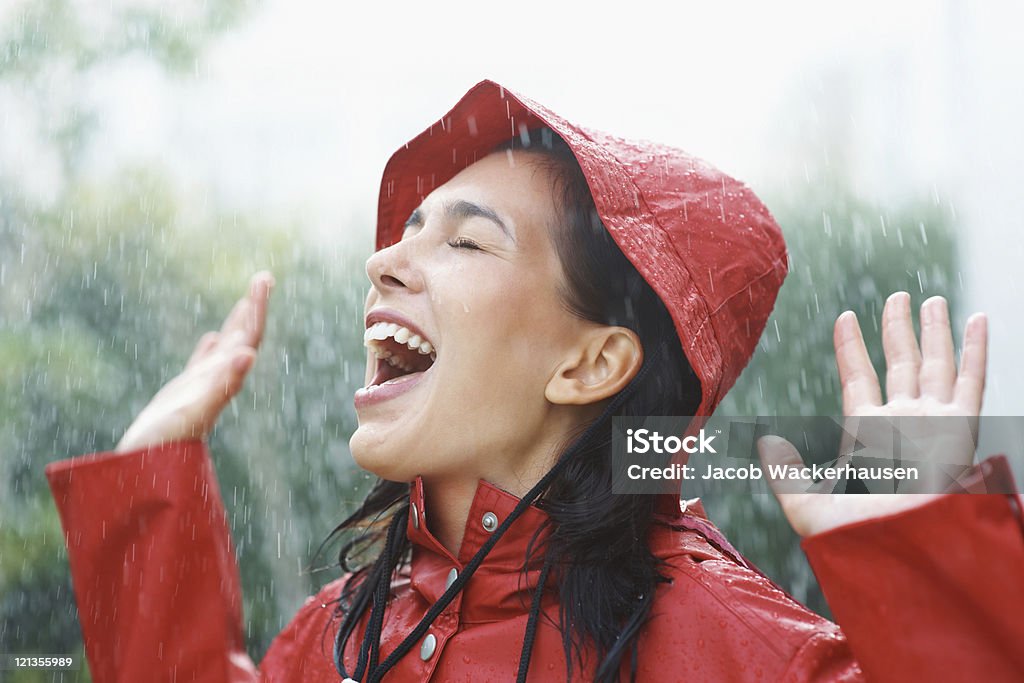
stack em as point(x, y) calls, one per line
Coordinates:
point(463, 243)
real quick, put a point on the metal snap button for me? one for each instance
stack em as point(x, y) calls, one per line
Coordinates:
point(452, 575)
point(428, 647)
point(415, 517)
point(490, 521)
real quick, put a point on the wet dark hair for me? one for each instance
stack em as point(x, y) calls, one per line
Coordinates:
point(600, 564)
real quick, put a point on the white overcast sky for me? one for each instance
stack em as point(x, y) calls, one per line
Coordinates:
point(302, 104)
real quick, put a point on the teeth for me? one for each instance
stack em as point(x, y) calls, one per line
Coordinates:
point(378, 332)
point(403, 335)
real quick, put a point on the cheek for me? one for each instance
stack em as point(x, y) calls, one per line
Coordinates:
point(505, 336)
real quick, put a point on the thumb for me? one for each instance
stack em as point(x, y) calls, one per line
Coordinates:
point(225, 381)
point(777, 453)
point(243, 360)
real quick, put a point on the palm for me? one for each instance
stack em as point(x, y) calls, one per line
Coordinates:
point(921, 381)
point(188, 406)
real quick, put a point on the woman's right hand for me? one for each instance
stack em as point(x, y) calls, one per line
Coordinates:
point(188, 406)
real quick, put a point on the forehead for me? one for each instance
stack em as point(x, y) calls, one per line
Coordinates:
point(511, 183)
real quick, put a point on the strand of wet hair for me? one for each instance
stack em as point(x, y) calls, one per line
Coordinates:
point(384, 587)
point(383, 567)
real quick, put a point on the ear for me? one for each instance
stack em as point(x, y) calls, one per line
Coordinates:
point(599, 367)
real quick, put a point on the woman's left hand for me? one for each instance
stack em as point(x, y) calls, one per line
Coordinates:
point(920, 381)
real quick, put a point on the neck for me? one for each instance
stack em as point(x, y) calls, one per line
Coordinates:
point(449, 499)
point(448, 502)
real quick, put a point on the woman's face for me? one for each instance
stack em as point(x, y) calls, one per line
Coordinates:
point(475, 277)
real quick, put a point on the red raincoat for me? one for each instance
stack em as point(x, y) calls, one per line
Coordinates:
point(933, 593)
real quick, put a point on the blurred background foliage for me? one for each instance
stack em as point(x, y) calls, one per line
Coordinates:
point(844, 254)
point(105, 289)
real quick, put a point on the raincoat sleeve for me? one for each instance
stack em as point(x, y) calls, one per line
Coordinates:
point(932, 593)
point(154, 573)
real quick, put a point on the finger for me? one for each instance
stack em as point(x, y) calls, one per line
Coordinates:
point(938, 369)
point(261, 286)
point(856, 374)
point(224, 380)
point(205, 344)
point(779, 455)
point(248, 316)
point(227, 362)
point(970, 384)
point(228, 379)
point(243, 361)
point(236, 320)
point(902, 356)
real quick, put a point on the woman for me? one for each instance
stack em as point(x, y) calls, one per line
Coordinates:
point(533, 279)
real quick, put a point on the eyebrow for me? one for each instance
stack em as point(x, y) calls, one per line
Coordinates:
point(462, 209)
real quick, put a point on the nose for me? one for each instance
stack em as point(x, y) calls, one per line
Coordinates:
point(392, 269)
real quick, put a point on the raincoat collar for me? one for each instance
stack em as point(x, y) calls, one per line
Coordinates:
point(488, 499)
point(498, 589)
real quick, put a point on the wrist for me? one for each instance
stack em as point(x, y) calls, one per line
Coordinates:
point(868, 507)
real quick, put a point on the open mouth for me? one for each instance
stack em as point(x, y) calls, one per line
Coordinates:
point(400, 352)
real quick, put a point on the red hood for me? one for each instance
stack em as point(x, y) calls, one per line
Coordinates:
point(702, 239)
point(705, 243)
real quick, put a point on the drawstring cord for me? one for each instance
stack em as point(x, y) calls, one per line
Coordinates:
point(370, 647)
point(383, 587)
point(531, 623)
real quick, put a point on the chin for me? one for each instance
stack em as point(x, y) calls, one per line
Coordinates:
point(371, 453)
